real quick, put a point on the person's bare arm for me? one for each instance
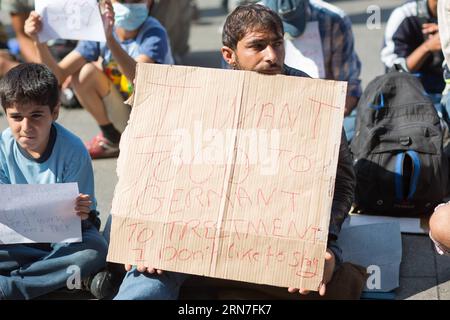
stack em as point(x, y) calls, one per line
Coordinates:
point(433, 44)
point(68, 66)
point(27, 48)
point(127, 64)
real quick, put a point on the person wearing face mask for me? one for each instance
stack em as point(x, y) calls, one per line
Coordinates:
point(412, 41)
point(103, 73)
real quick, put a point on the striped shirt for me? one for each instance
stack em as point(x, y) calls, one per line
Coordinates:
point(340, 59)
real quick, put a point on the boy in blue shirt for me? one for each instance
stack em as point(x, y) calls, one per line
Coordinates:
point(103, 73)
point(36, 150)
point(411, 40)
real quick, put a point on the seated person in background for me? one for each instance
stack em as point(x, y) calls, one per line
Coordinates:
point(6, 60)
point(132, 36)
point(176, 16)
point(339, 59)
point(36, 150)
point(411, 41)
point(253, 41)
point(22, 48)
point(19, 10)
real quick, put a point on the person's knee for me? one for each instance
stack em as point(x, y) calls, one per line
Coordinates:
point(88, 78)
point(440, 225)
point(91, 260)
point(94, 249)
point(95, 242)
point(81, 77)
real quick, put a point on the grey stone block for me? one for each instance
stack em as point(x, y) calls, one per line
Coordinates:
point(443, 276)
point(418, 257)
point(412, 288)
point(444, 290)
point(443, 268)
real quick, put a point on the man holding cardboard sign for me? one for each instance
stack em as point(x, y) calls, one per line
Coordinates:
point(251, 205)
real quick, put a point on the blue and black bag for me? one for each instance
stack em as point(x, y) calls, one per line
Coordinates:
point(400, 165)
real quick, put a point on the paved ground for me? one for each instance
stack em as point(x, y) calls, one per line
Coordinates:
point(424, 275)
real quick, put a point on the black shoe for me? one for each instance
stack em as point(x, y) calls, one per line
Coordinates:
point(105, 284)
point(69, 100)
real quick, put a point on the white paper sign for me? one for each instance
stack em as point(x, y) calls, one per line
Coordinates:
point(305, 52)
point(70, 19)
point(43, 213)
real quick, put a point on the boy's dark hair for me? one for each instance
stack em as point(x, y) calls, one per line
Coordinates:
point(247, 18)
point(29, 83)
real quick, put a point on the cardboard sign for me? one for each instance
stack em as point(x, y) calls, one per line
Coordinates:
point(228, 174)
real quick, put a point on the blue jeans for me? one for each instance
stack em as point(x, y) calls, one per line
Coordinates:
point(445, 101)
point(349, 125)
point(27, 272)
point(107, 230)
point(144, 286)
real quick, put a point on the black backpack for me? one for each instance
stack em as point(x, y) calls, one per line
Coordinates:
point(400, 166)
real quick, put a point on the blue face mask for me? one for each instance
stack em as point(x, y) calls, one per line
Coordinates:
point(130, 16)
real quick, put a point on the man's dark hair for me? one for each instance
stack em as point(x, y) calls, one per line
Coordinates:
point(29, 83)
point(246, 18)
